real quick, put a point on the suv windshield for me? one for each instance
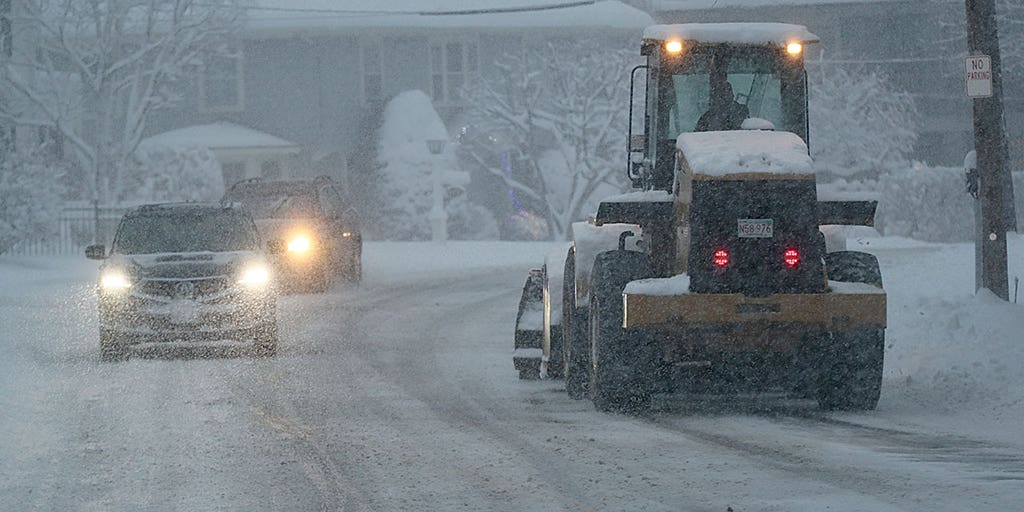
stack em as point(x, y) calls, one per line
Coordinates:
point(192, 231)
point(278, 204)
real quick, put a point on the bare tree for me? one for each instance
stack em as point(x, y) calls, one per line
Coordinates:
point(558, 111)
point(95, 70)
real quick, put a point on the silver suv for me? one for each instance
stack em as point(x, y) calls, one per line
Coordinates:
point(185, 272)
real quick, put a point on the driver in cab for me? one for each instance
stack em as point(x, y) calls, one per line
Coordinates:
point(724, 113)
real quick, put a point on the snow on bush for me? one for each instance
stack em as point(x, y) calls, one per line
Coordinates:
point(30, 201)
point(160, 173)
point(860, 124)
point(930, 204)
point(470, 221)
point(407, 172)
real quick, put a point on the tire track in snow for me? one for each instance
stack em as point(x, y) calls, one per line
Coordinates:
point(888, 464)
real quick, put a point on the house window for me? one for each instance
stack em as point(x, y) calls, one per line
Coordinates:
point(453, 65)
point(373, 82)
point(233, 172)
point(221, 88)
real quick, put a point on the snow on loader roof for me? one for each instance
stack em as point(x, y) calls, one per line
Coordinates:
point(779, 34)
point(720, 154)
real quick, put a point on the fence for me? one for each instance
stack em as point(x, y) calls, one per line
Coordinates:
point(76, 229)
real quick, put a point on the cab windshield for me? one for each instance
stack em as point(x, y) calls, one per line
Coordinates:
point(719, 88)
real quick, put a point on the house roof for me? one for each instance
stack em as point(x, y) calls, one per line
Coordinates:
point(222, 136)
point(327, 15)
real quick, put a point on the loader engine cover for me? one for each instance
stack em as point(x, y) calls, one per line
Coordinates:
point(755, 237)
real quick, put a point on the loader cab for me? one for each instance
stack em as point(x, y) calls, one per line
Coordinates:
point(713, 77)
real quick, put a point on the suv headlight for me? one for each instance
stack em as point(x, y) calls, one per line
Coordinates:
point(299, 244)
point(255, 275)
point(114, 281)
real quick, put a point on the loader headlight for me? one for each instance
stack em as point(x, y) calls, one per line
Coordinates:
point(794, 49)
point(299, 244)
point(255, 275)
point(114, 281)
point(674, 47)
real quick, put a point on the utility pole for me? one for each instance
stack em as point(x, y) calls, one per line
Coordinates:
point(990, 144)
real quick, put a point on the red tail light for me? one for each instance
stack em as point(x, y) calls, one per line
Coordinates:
point(791, 257)
point(721, 258)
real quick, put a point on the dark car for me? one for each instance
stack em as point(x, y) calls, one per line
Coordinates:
point(185, 272)
point(316, 231)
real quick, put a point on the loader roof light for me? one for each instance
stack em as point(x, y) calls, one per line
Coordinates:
point(791, 257)
point(674, 47)
point(721, 258)
point(794, 49)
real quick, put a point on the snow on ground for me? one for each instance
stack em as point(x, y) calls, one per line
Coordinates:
point(953, 358)
point(402, 262)
point(400, 395)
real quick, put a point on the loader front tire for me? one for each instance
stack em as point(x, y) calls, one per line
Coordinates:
point(575, 335)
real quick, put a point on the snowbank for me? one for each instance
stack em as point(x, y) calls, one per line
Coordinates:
point(734, 152)
point(953, 358)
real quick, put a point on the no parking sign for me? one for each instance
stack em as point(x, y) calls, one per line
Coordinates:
point(978, 74)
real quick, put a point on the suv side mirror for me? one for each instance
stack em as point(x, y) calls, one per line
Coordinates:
point(96, 252)
point(275, 246)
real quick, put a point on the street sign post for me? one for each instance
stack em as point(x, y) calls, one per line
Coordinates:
point(984, 85)
point(978, 75)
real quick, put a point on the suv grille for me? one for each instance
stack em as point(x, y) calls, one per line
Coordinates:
point(184, 288)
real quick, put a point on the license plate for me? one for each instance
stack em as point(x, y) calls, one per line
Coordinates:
point(184, 312)
point(756, 228)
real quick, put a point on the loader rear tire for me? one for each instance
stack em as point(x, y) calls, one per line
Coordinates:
point(851, 370)
point(623, 362)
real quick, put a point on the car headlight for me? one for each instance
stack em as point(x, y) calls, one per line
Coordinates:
point(255, 275)
point(299, 244)
point(114, 280)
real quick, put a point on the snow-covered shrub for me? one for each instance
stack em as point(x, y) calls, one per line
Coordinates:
point(30, 201)
point(161, 173)
point(860, 124)
point(470, 221)
point(931, 204)
point(407, 170)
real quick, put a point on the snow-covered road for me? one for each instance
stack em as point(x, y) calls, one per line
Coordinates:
point(401, 395)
